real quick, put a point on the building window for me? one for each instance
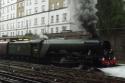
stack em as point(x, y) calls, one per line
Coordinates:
point(36, 9)
point(7, 9)
point(7, 1)
point(52, 19)
point(11, 16)
point(18, 33)
point(3, 27)
point(30, 31)
point(29, 23)
point(43, 8)
point(27, 2)
point(21, 32)
point(57, 18)
point(43, 0)
point(57, 4)
point(7, 26)
point(52, 31)
point(57, 29)
point(30, 2)
point(35, 31)
point(65, 3)
point(42, 31)
point(13, 26)
point(18, 24)
point(11, 7)
point(22, 24)
point(11, 33)
point(64, 28)
point(64, 17)
point(53, 6)
point(26, 12)
point(29, 11)
point(35, 21)
point(14, 7)
point(36, 1)
point(43, 20)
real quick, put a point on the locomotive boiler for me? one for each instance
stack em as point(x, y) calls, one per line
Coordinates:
point(66, 52)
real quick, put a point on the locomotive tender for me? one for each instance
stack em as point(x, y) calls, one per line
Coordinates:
point(71, 52)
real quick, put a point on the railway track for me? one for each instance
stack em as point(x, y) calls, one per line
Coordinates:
point(31, 75)
point(7, 77)
point(52, 74)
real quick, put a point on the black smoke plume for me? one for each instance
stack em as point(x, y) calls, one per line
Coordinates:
point(84, 14)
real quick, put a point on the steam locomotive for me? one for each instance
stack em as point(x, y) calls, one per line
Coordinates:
point(68, 52)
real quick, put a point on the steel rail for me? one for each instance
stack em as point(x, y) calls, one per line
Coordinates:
point(23, 79)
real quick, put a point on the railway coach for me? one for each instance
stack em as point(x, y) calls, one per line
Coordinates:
point(3, 49)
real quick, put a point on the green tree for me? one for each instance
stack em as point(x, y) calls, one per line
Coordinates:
point(31, 36)
point(111, 15)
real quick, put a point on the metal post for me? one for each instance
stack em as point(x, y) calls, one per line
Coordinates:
point(26, 26)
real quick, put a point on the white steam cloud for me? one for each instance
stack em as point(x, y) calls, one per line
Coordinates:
point(118, 71)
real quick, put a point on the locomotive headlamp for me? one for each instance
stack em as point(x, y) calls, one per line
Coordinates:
point(114, 58)
point(103, 59)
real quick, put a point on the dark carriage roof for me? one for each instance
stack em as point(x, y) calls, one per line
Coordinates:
point(92, 41)
point(29, 41)
point(20, 42)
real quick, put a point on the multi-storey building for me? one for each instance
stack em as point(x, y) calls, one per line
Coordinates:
point(18, 17)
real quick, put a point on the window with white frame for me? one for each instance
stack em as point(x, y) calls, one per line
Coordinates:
point(36, 1)
point(43, 0)
point(57, 29)
point(29, 23)
point(64, 28)
point(21, 32)
point(7, 26)
point(52, 31)
point(18, 24)
point(35, 31)
point(30, 2)
point(42, 31)
point(43, 8)
point(57, 18)
point(8, 1)
point(22, 24)
point(58, 4)
point(35, 21)
point(52, 19)
point(53, 6)
point(64, 17)
point(36, 9)
point(29, 11)
point(30, 31)
point(43, 20)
